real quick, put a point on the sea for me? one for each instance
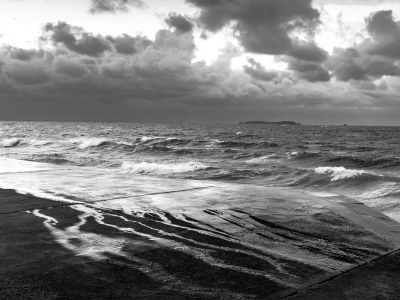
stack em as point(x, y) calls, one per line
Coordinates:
point(359, 162)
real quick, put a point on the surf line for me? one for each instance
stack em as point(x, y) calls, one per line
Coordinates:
point(151, 194)
point(316, 283)
point(75, 202)
point(34, 171)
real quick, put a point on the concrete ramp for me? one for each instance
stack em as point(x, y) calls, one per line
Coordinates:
point(105, 236)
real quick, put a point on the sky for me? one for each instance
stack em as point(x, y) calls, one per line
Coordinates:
point(201, 61)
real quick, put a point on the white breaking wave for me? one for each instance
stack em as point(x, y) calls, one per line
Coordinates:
point(39, 142)
point(162, 168)
point(10, 142)
point(145, 138)
point(87, 143)
point(322, 194)
point(339, 173)
point(261, 160)
point(13, 142)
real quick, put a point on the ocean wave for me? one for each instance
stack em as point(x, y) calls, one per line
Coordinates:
point(163, 141)
point(93, 142)
point(39, 142)
point(347, 161)
point(52, 158)
point(236, 144)
point(303, 155)
point(153, 149)
point(340, 173)
point(266, 144)
point(11, 142)
point(71, 160)
point(387, 189)
point(262, 159)
point(232, 174)
point(14, 142)
point(244, 144)
point(145, 138)
point(162, 168)
point(364, 162)
point(99, 142)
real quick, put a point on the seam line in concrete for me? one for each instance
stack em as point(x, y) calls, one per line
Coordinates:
point(334, 276)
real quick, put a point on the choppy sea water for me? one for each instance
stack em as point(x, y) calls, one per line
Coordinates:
point(359, 162)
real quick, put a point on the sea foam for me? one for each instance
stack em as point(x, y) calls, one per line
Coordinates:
point(12, 142)
point(162, 168)
point(339, 173)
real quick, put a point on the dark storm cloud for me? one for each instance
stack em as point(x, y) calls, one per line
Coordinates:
point(348, 64)
point(265, 26)
point(126, 44)
point(344, 65)
point(113, 6)
point(385, 33)
point(373, 58)
point(356, 2)
point(28, 74)
point(76, 39)
point(70, 68)
point(307, 51)
point(180, 23)
point(380, 67)
point(312, 72)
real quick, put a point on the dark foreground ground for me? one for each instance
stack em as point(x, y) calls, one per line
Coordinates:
point(53, 250)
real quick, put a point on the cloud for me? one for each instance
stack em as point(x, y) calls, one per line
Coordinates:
point(351, 64)
point(307, 51)
point(376, 56)
point(71, 68)
point(113, 6)
point(166, 40)
point(385, 33)
point(310, 71)
point(355, 2)
point(137, 79)
point(126, 44)
point(23, 54)
point(178, 22)
point(76, 39)
point(266, 26)
point(28, 73)
point(258, 72)
point(345, 66)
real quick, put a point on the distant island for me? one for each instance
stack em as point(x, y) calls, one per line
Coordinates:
point(270, 123)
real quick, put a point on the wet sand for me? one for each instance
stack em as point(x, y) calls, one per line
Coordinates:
point(203, 243)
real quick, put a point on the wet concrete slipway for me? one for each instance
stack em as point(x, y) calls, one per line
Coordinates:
point(76, 233)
